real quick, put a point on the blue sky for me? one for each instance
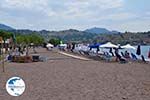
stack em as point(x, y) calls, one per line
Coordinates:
point(121, 15)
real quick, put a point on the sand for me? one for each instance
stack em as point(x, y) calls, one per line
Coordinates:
point(65, 78)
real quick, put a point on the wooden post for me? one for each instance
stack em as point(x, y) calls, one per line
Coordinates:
point(3, 60)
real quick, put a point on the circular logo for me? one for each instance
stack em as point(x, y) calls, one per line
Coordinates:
point(15, 86)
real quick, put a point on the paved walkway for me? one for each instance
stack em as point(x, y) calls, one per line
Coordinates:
point(74, 56)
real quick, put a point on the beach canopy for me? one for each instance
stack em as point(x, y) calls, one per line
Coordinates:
point(49, 45)
point(95, 45)
point(128, 46)
point(63, 45)
point(108, 45)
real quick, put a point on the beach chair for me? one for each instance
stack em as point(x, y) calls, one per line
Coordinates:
point(122, 54)
point(143, 59)
point(121, 59)
point(92, 54)
point(43, 58)
point(86, 52)
point(107, 57)
point(81, 52)
point(134, 57)
point(9, 58)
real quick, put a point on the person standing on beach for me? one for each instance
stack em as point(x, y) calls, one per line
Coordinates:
point(97, 49)
point(73, 47)
point(118, 57)
point(111, 51)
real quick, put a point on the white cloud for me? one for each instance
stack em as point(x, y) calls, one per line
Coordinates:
point(74, 7)
point(135, 25)
point(91, 7)
point(148, 13)
point(59, 14)
point(23, 4)
point(120, 16)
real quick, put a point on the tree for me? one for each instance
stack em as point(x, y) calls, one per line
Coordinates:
point(26, 40)
point(5, 35)
point(54, 41)
point(36, 39)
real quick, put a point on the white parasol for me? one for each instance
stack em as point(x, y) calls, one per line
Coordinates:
point(128, 46)
point(108, 45)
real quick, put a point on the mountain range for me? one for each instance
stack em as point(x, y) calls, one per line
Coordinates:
point(92, 35)
point(66, 35)
point(5, 27)
point(100, 31)
point(95, 30)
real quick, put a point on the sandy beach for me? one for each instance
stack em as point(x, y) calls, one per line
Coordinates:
point(66, 78)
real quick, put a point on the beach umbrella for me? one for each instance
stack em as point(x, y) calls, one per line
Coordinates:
point(95, 45)
point(108, 45)
point(63, 45)
point(128, 46)
point(49, 45)
point(84, 48)
point(138, 52)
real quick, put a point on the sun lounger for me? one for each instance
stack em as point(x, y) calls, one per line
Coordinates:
point(108, 58)
point(43, 58)
point(86, 52)
point(148, 60)
point(121, 59)
point(143, 59)
point(134, 57)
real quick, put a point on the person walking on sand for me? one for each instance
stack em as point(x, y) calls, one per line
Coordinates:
point(118, 57)
point(111, 51)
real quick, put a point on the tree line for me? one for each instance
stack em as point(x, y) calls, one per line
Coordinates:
point(27, 39)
